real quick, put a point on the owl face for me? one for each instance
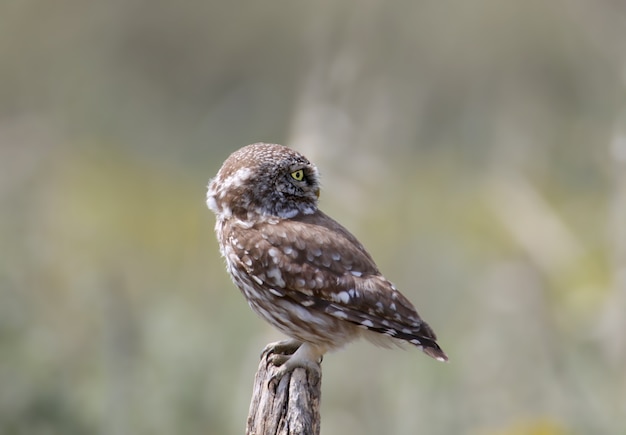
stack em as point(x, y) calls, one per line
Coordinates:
point(264, 180)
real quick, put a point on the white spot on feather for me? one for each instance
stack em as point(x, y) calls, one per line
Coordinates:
point(276, 292)
point(277, 276)
point(339, 314)
point(319, 280)
point(343, 297)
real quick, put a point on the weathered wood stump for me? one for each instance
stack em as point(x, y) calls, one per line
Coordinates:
point(286, 406)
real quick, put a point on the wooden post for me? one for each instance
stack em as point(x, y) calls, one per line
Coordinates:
point(287, 406)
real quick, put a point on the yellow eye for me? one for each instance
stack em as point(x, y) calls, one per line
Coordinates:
point(298, 175)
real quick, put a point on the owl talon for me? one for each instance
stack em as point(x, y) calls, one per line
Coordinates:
point(307, 356)
point(283, 347)
point(286, 364)
point(278, 359)
point(281, 355)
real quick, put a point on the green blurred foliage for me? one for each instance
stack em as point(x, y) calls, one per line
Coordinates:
point(476, 149)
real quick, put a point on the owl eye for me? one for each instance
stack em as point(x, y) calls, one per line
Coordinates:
point(298, 175)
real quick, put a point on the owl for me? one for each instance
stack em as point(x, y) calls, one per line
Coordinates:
point(299, 269)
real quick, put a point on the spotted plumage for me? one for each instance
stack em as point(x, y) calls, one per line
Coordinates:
point(298, 268)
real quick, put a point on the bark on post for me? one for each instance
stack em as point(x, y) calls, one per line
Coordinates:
point(288, 406)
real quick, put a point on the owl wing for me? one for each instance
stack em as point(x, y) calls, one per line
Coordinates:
point(317, 263)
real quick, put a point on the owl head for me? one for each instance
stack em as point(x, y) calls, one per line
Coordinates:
point(264, 180)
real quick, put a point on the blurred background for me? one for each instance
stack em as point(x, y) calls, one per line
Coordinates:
point(478, 149)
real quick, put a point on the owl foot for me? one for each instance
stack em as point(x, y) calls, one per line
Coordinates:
point(312, 368)
point(295, 354)
point(278, 349)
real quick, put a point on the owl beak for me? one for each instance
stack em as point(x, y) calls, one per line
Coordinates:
point(317, 192)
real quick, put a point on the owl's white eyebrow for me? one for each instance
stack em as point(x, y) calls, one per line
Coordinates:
point(236, 179)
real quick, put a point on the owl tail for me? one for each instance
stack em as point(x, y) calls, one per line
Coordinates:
point(432, 349)
point(425, 340)
point(423, 337)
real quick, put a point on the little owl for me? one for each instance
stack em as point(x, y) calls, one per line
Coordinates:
point(298, 268)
